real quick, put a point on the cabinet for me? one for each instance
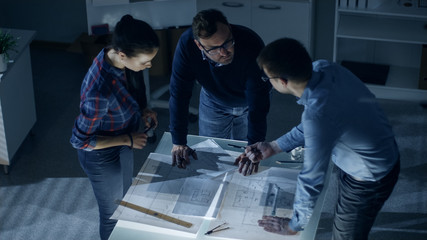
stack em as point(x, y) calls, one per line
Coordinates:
point(236, 11)
point(277, 19)
point(17, 105)
point(271, 19)
point(159, 14)
point(387, 33)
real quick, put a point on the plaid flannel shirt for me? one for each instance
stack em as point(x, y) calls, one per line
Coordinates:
point(106, 106)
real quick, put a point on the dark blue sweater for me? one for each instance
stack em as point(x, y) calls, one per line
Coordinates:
point(237, 84)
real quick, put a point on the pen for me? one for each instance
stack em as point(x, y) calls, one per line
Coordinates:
point(215, 229)
point(236, 146)
point(276, 194)
point(191, 151)
point(243, 147)
point(149, 128)
point(283, 162)
point(212, 231)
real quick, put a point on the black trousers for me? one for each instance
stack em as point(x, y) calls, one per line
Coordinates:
point(359, 203)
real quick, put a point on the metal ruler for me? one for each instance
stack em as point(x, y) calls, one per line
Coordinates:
point(155, 214)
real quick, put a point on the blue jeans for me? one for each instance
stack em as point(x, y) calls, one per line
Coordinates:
point(221, 121)
point(110, 172)
point(359, 203)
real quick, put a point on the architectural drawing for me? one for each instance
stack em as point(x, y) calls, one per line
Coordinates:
point(196, 197)
point(248, 198)
point(186, 194)
point(209, 187)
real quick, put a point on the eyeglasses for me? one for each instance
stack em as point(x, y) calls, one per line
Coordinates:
point(217, 50)
point(266, 79)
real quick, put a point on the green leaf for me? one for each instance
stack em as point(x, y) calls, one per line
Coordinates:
point(7, 43)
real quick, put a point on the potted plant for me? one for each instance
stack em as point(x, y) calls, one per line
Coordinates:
point(7, 43)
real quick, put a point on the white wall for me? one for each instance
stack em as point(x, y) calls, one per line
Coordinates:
point(54, 20)
point(166, 13)
point(158, 13)
point(65, 20)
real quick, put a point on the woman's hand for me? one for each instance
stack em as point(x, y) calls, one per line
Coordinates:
point(137, 140)
point(150, 118)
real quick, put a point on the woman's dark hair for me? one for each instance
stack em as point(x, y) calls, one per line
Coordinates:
point(286, 58)
point(204, 23)
point(132, 36)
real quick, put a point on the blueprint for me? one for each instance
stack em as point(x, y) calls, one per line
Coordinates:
point(190, 194)
point(248, 198)
point(210, 189)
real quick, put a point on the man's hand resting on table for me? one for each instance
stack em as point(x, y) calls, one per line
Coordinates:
point(181, 155)
point(277, 225)
point(248, 162)
point(246, 166)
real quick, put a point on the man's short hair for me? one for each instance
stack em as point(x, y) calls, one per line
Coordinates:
point(204, 23)
point(286, 58)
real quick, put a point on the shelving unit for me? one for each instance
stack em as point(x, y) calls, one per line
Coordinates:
point(388, 33)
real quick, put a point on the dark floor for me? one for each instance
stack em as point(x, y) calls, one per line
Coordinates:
point(47, 195)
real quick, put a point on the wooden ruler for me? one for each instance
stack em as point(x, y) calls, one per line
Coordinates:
point(155, 214)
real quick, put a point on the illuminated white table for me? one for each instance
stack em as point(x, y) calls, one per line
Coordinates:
point(132, 230)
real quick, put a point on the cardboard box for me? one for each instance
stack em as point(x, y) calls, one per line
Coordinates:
point(422, 84)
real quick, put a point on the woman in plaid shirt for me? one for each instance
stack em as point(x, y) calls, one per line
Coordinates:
point(112, 104)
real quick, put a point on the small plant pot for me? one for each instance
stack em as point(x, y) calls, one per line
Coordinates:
point(3, 63)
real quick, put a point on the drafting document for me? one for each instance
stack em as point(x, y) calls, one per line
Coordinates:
point(248, 198)
point(190, 194)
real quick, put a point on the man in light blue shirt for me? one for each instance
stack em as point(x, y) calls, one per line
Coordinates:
point(341, 121)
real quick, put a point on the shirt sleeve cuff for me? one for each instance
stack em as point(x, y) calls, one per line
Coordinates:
point(92, 144)
point(294, 226)
point(284, 143)
point(275, 146)
point(178, 139)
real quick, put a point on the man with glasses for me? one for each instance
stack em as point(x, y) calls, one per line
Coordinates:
point(234, 102)
point(342, 122)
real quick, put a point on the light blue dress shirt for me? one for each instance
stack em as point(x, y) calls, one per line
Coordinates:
point(341, 121)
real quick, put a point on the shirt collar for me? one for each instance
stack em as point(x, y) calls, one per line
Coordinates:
point(312, 82)
point(109, 68)
point(205, 58)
